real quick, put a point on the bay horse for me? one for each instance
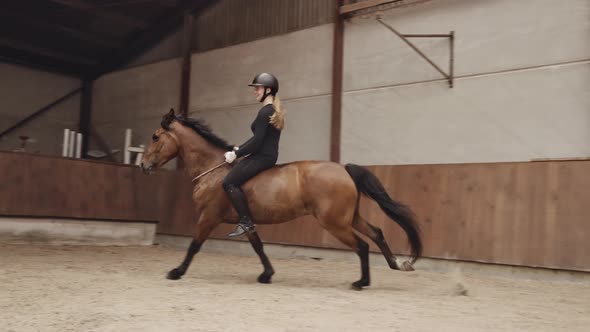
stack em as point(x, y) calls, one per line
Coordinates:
point(326, 190)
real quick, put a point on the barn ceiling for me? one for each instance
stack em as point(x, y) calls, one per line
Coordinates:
point(86, 38)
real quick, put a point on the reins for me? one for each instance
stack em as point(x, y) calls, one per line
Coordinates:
point(210, 170)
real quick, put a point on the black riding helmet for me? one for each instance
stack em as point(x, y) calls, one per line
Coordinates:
point(268, 81)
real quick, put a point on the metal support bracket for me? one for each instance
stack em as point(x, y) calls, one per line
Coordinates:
point(449, 76)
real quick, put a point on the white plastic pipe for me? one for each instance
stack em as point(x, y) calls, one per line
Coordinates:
point(126, 153)
point(71, 144)
point(78, 145)
point(65, 148)
point(139, 155)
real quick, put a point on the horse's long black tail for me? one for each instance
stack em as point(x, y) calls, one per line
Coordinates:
point(368, 184)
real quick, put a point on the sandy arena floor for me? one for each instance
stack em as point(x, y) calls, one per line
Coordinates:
point(124, 289)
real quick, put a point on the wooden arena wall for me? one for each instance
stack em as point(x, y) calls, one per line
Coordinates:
point(523, 213)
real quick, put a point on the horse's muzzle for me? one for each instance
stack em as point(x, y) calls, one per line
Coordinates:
point(147, 168)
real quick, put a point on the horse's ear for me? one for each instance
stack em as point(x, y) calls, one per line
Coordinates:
point(167, 119)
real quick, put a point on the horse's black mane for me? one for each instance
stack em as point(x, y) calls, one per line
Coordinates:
point(202, 129)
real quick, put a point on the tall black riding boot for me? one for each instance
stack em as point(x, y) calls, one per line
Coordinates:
point(240, 203)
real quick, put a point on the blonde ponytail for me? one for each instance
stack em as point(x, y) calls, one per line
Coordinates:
point(278, 118)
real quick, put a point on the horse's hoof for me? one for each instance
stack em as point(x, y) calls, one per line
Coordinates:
point(265, 278)
point(403, 266)
point(358, 285)
point(174, 274)
point(406, 266)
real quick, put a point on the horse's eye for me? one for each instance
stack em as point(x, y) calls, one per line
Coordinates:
point(154, 138)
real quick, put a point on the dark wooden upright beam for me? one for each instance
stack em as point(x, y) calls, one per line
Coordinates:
point(452, 59)
point(85, 115)
point(185, 76)
point(337, 64)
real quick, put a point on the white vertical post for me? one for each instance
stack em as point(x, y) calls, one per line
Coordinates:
point(126, 153)
point(71, 144)
point(139, 156)
point(65, 148)
point(78, 145)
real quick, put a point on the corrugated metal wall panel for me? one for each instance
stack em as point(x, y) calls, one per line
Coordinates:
point(230, 22)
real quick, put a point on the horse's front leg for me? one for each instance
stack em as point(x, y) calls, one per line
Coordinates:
point(204, 228)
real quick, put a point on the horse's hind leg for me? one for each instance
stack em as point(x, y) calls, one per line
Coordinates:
point(347, 236)
point(258, 248)
point(376, 235)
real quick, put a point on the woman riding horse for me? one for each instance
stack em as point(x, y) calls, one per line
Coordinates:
point(328, 191)
point(263, 148)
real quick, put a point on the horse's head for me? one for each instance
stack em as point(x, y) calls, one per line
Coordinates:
point(164, 146)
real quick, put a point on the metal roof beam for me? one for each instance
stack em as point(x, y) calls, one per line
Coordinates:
point(104, 13)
